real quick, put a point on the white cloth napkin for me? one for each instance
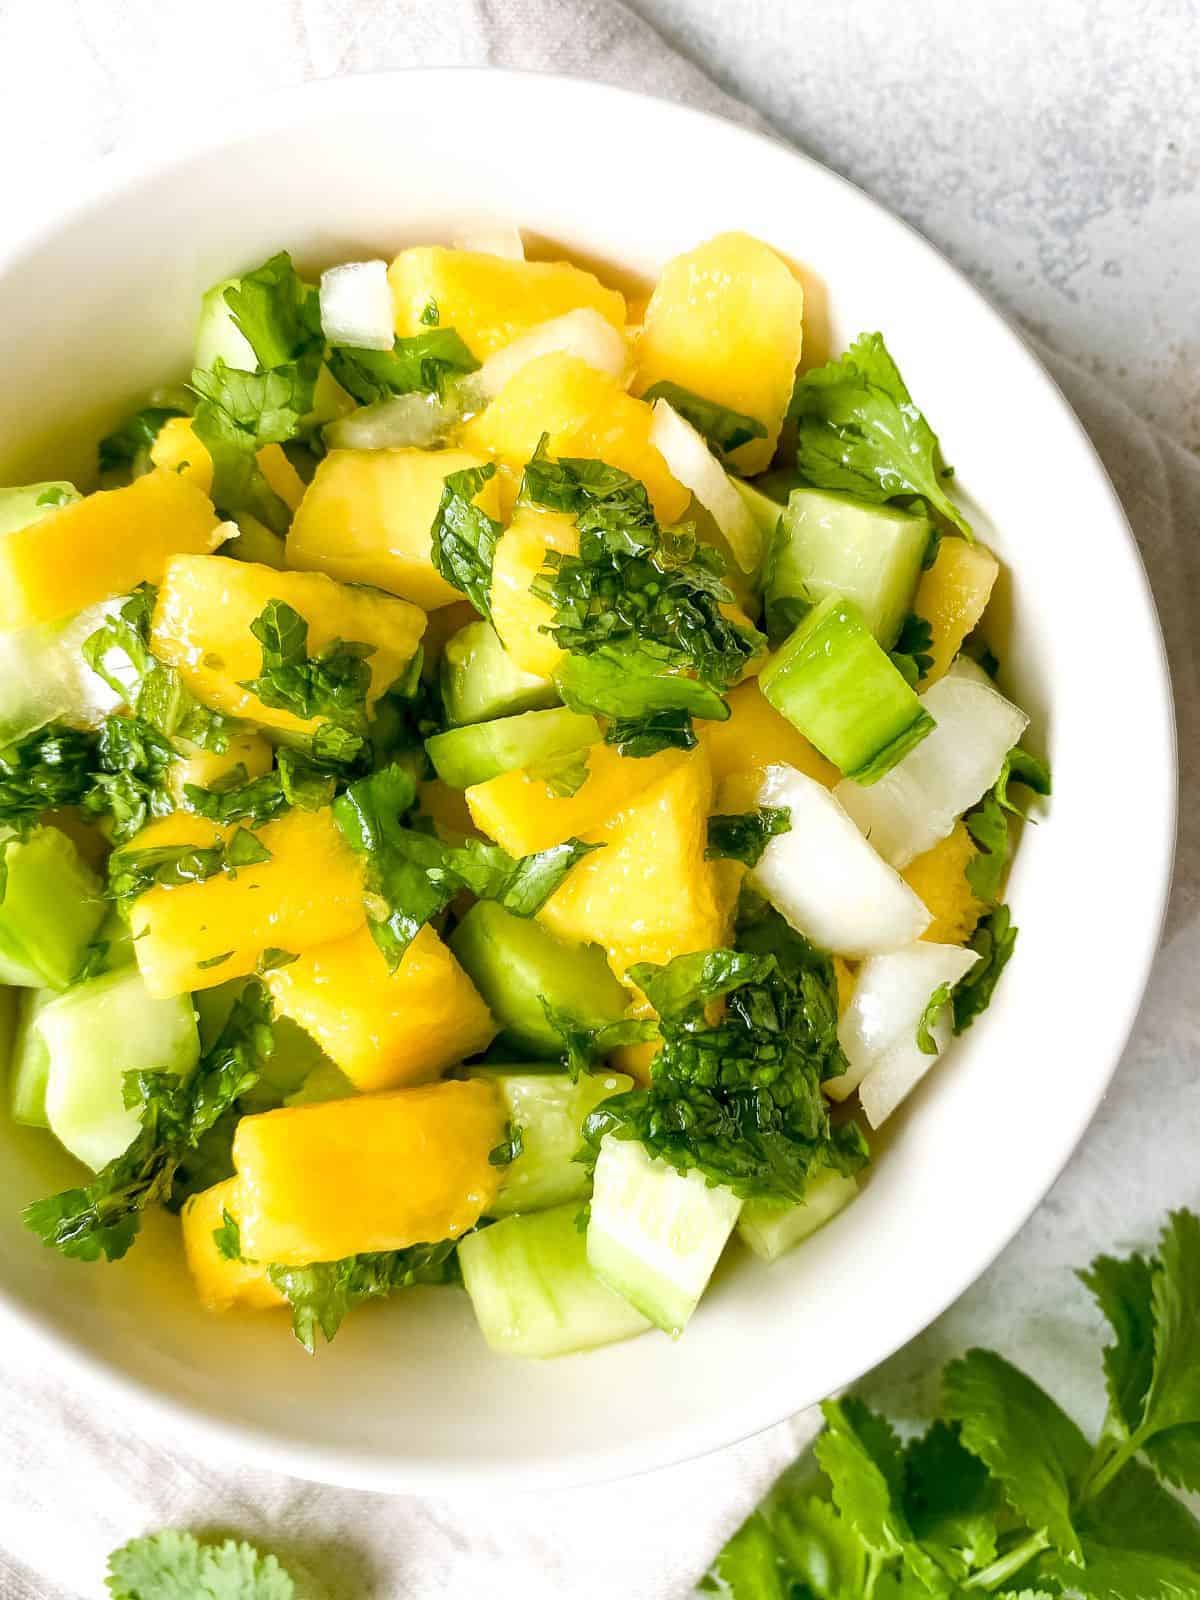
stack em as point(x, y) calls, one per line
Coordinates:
point(74, 1480)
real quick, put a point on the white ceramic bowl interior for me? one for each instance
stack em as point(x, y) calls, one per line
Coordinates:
point(99, 308)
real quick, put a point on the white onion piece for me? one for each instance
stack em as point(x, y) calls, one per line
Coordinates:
point(492, 239)
point(356, 306)
point(878, 1031)
point(920, 799)
point(415, 421)
point(691, 461)
point(583, 333)
point(826, 880)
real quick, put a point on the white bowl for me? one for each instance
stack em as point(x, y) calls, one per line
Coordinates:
point(99, 307)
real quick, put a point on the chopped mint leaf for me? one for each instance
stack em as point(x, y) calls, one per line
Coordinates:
point(744, 836)
point(175, 1566)
point(463, 537)
point(938, 1001)
point(583, 1047)
point(422, 364)
point(639, 737)
point(214, 961)
point(228, 1237)
point(723, 428)
point(510, 1147)
point(50, 767)
point(320, 1295)
point(169, 866)
point(858, 430)
point(235, 797)
point(334, 683)
point(994, 941)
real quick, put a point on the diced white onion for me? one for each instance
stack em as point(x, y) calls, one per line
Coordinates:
point(920, 799)
point(691, 461)
point(878, 1031)
point(356, 306)
point(492, 239)
point(826, 880)
point(583, 333)
point(415, 421)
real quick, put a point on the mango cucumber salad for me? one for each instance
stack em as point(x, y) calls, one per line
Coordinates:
point(500, 786)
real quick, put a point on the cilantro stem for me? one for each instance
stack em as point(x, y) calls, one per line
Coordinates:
point(1008, 1565)
point(1104, 1468)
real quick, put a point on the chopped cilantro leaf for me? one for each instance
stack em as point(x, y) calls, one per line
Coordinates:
point(994, 940)
point(723, 428)
point(175, 1566)
point(510, 1147)
point(938, 1001)
point(320, 1295)
point(421, 364)
point(228, 1238)
point(911, 652)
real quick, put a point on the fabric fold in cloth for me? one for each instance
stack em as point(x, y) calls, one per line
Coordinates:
point(76, 1480)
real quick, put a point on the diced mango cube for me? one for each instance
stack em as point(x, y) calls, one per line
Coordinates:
point(202, 620)
point(952, 596)
point(385, 1029)
point(196, 935)
point(519, 812)
point(585, 413)
point(939, 879)
point(101, 546)
point(204, 768)
point(649, 894)
point(756, 736)
point(222, 1284)
point(376, 1172)
point(518, 615)
point(726, 322)
point(490, 301)
point(367, 516)
point(176, 448)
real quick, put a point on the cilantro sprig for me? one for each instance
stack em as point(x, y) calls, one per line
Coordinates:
point(321, 1295)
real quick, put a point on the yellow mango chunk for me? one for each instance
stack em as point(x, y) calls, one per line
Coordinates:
point(585, 413)
point(756, 736)
point(649, 895)
point(101, 546)
point(308, 893)
point(487, 300)
point(447, 809)
point(385, 1029)
point(376, 1172)
point(520, 813)
point(367, 515)
point(201, 626)
point(726, 322)
point(846, 977)
point(517, 615)
point(939, 879)
point(205, 767)
point(221, 1284)
point(177, 449)
point(952, 596)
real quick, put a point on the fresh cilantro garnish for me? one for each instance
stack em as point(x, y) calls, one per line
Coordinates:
point(988, 822)
point(422, 364)
point(333, 684)
point(169, 866)
point(739, 1098)
point(744, 836)
point(645, 735)
point(463, 537)
point(430, 316)
point(510, 1147)
point(55, 497)
point(412, 875)
point(911, 651)
point(993, 940)
point(278, 314)
point(938, 1001)
point(103, 1217)
point(175, 1566)
point(127, 447)
point(857, 429)
point(320, 1295)
point(723, 428)
point(228, 1238)
point(1005, 1494)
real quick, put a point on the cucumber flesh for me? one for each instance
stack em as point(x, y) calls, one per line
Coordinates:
point(19, 508)
point(833, 544)
point(219, 337)
point(482, 750)
point(480, 680)
point(295, 1059)
point(550, 1110)
point(43, 675)
point(765, 511)
point(29, 1066)
point(515, 964)
point(655, 1234)
point(835, 682)
point(773, 1227)
point(533, 1291)
point(95, 1034)
point(52, 906)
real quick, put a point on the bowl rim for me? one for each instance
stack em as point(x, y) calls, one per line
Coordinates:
point(237, 1442)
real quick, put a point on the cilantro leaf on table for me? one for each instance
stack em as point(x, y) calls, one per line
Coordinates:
point(950, 1500)
point(102, 1217)
point(463, 537)
point(176, 1566)
point(1138, 1542)
point(321, 1295)
point(722, 428)
point(858, 430)
point(744, 836)
point(421, 364)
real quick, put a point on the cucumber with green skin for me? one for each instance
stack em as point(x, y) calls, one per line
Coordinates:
point(31, 502)
point(53, 904)
point(533, 1291)
point(480, 680)
point(482, 750)
point(772, 1227)
point(29, 1062)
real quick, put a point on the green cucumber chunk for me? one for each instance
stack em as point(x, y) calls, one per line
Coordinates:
point(765, 511)
point(772, 1227)
point(480, 680)
point(515, 964)
point(549, 1109)
point(295, 1058)
point(532, 1289)
point(833, 544)
point(43, 676)
point(834, 681)
point(52, 906)
point(655, 1234)
point(29, 1068)
point(96, 1033)
point(21, 507)
point(482, 750)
